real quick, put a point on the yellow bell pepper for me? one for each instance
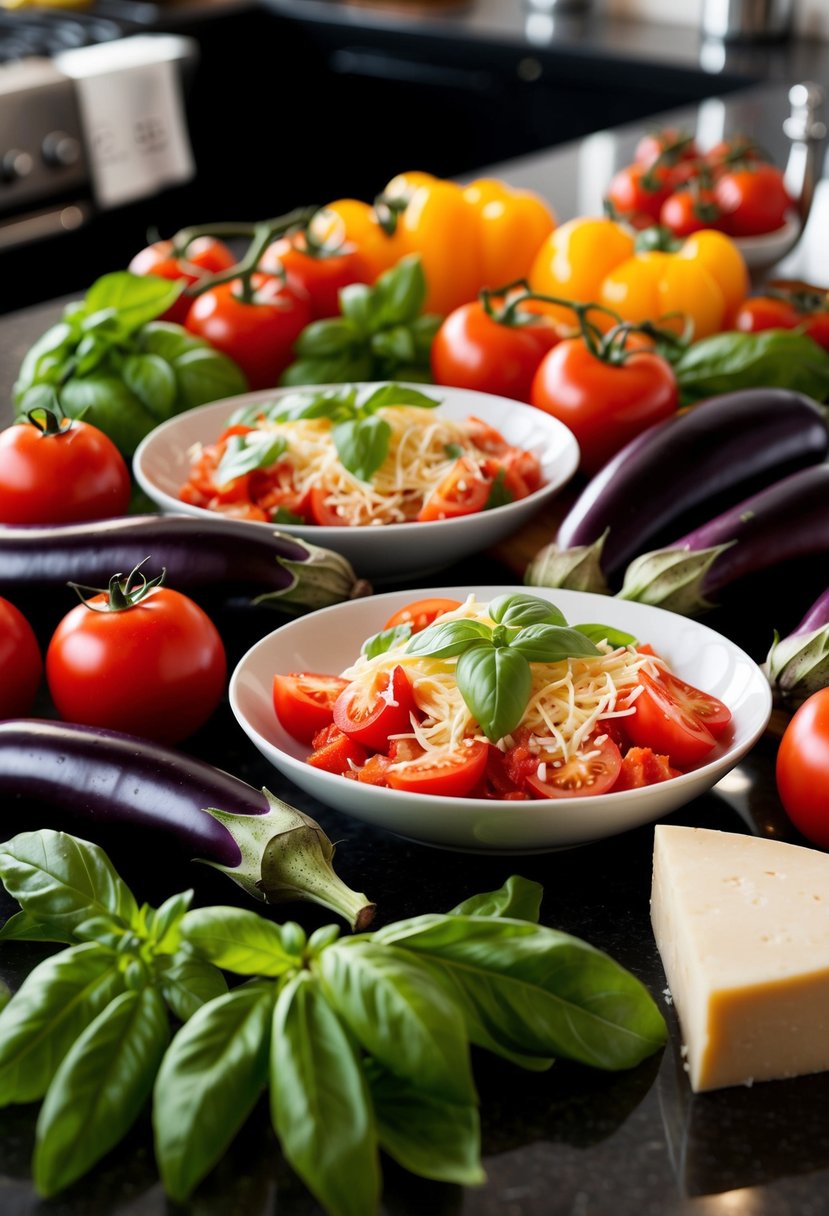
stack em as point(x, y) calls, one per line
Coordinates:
point(512, 225)
point(354, 222)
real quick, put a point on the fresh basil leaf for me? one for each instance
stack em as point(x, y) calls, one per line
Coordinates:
point(100, 1088)
point(188, 983)
point(167, 340)
point(426, 1134)
point(398, 394)
point(362, 445)
point(331, 336)
point(360, 306)
point(320, 1104)
point(334, 369)
point(57, 342)
point(519, 898)
point(238, 940)
point(329, 403)
point(400, 1014)
point(102, 323)
point(244, 453)
point(221, 1053)
point(453, 450)
point(204, 374)
point(423, 330)
point(400, 293)
point(55, 1002)
point(163, 925)
point(153, 382)
point(21, 927)
point(104, 930)
point(449, 638)
point(495, 683)
point(381, 642)
point(538, 991)
point(5, 994)
point(774, 358)
point(395, 346)
point(89, 355)
point(518, 610)
point(106, 402)
point(605, 633)
point(60, 879)
point(136, 298)
point(283, 516)
point(499, 495)
point(552, 644)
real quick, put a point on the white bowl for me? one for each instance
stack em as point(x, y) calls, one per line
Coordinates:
point(763, 251)
point(393, 551)
point(329, 640)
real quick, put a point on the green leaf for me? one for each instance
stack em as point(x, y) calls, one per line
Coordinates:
point(333, 403)
point(534, 990)
point(214, 1070)
point(136, 298)
point(320, 1105)
point(334, 369)
point(100, 1088)
point(188, 983)
point(167, 340)
point(519, 610)
point(331, 336)
point(164, 924)
point(38, 397)
point(244, 453)
point(55, 1002)
point(61, 880)
point(426, 1134)
point(552, 644)
point(393, 394)
point(106, 402)
point(238, 940)
point(204, 374)
point(775, 358)
point(400, 293)
point(362, 445)
point(499, 495)
point(56, 345)
point(495, 683)
point(519, 898)
point(394, 346)
point(21, 927)
point(449, 638)
point(381, 642)
point(402, 1017)
point(615, 638)
point(153, 382)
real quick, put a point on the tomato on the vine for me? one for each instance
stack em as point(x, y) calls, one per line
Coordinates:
point(604, 403)
point(691, 209)
point(753, 200)
point(257, 333)
point(57, 470)
point(805, 310)
point(322, 271)
point(803, 768)
point(640, 189)
point(20, 662)
point(139, 658)
point(474, 349)
point(669, 144)
point(205, 255)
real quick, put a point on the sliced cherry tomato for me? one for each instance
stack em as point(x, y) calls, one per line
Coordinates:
point(803, 768)
point(703, 705)
point(388, 712)
point(663, 723)
point(472, 349)
point(641, 766)
point(593, 770)
point(20, 662)
point(324, 512)
point(421, 613)
point(464, 491)
point(451, 774)
point(205, 255)
point(304, 702)
point(335, 752)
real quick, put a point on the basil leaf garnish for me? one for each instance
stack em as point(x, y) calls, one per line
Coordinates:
point(521, 609)
point(605, 633)
point(398, 394)
point(362, 445)
point(519, 898)
point(495, 683)
point(379, 643)
point(552, 644)
point(244, 453)
point(499, 495)
point(448, 638)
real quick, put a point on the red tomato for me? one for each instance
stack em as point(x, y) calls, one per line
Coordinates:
point(205, 255)
point(712, 712)
point(753, 200)
point(640, 189)
point(641, 766)
point(450, 775)
point(603, 404)
point(304, 702)
point(336, 752)
point(259, 335)
point(323, 510)
point(670, 143)
point(770, 312)
point(593, 770)
point(66, 475)
point(20, 663)
point(156, 668)
point(464, 491)
point(322, 273)
point(388, 713)
point(803, 768)
point(666, 722)
point(421, 613)
point(473, 350)
point(690, 210)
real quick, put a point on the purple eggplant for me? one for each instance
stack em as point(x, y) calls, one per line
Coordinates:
point(676, 474)
point(106, 779)
point(788, 520)
point(798, 664)
point(227, 554)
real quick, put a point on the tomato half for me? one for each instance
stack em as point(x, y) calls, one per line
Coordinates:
point(666, 722)
point(156, 668)
point(205, 255)
point(387, 712)
point(421, 613)
point(711, 711)
point(70, 475)
point(304, 702)
point(474, 350)
point(451, 774)
point(803, 768)
point(591, 771)
point(464, 491)
point(20, 663)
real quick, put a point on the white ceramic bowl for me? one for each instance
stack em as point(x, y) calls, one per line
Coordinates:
point(329, 641)
point(393, 551)
point(762, 252)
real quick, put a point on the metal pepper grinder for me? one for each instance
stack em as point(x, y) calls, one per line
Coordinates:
point(807, 131)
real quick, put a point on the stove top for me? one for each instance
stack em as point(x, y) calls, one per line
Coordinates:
point(26, 32)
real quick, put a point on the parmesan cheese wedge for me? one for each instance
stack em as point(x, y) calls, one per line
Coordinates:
point(742, 925)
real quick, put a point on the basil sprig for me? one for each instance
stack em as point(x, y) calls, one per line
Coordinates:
point(246, 453)
point(493, 670)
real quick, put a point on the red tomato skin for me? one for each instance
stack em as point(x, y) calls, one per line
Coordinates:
point(156, 669)
point(323, 276)
point(679, 145)
point(604, 405)
point(205, 255)
point(464, 491)
point(753, 201)
point(662, 724)
point(454, 778)
point(304, 702)
point(802, 769)
point(258, 336)
point(335, 752)
point(764, 312)
point(421, 613)
point(389, 715)
point(686, 211)
point(640, 189)
point(21, 663)
point(472, 350)
point(579, 778)
point(71, 477)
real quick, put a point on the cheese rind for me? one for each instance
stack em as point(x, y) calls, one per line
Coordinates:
point(742, 925)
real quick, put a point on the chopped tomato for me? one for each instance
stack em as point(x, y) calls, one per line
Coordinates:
point(464, 491)
point(421, 613)
point(666, 723)
point(388, 712)
point(323, 511)
point(641, 766)
point(374, 771)
point(496, 781)
point(451, 774)
point(336, 753)
point(304, 702)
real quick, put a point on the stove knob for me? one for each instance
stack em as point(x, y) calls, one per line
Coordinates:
point(60, 150)
point(15, 164)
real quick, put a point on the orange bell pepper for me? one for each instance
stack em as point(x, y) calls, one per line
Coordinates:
point(357, 223)
point(512, 224)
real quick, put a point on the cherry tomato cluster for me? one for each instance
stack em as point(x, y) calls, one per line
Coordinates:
point(731, 187)
point(787, 306)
